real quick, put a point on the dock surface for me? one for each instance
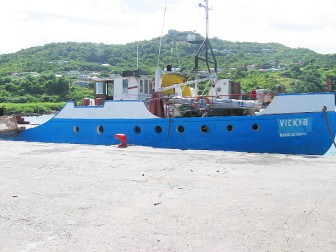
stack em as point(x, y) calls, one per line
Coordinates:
point(62, 197)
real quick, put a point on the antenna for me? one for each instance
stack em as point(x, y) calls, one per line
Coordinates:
point(206, 7)
point(137, 55)
point(157, 70)
point(137, 39)
point(206, 47)
point(164, 17)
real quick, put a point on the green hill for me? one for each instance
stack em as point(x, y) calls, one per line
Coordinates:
point(57, 72)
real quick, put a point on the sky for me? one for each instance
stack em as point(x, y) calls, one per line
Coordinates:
point(293, 23)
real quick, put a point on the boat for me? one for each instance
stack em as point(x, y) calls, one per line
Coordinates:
point(165, 111)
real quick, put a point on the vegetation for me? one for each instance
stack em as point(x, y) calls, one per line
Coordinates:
point(32, 108)
point(51, 74)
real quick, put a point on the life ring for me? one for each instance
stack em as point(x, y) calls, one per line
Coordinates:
point(202, 102)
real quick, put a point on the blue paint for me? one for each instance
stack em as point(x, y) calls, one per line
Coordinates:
point(231, 133)
point(295, 126)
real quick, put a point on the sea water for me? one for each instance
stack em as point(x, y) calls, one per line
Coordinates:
point(332, 150)
point(38, 119)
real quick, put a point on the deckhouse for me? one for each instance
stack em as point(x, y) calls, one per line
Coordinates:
point(128, 86)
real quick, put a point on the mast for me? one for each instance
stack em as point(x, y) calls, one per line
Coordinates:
point(206, 18)
point(158, 70)
point(206, 47)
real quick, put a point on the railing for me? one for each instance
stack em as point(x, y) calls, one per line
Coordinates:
point(210, 104)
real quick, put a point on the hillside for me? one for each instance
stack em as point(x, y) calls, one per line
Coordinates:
point(60, 71)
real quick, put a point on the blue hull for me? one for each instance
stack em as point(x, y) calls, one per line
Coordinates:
point(302, 133)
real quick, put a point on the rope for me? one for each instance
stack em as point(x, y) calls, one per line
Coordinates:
point(209, 84)
point(328, 124)
point(185, 84)
point(164, 17)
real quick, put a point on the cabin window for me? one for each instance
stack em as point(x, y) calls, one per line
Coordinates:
point(146, 87)
point(229, 127)
point(110, 88)
point(141, 86)
point(255, 127)
point(125, 86)
point(137, 129)
point(158, 129)
point(150, 86)
point(100, 87)
point(180, 129)
point(76, 129)
point(204, 128)
point(100, 129)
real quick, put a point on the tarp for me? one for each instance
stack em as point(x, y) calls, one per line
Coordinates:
point(169, 79)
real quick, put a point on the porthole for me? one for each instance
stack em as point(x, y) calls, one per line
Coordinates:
point(255, 127)
point(76, 129)
point(204, 128)
point(229, 127)
point(158, 129)
point(100, 129)
point(137, 129)
point(180, 129)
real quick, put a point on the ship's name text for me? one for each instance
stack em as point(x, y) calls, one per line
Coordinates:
point(294, 122)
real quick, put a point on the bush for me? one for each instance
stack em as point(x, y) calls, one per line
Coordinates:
point(32, 108)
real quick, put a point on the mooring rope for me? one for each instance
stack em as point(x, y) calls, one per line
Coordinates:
point(328, 124)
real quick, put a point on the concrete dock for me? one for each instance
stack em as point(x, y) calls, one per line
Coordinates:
point(60, 197)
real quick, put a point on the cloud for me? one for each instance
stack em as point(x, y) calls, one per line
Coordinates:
point(293, 23)
point(43, 17)
point(299, 23)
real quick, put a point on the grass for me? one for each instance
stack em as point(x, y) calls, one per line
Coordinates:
point(39, 108)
